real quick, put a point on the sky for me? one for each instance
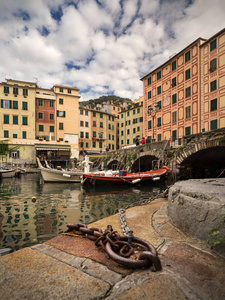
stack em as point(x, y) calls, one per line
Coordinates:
point(101, 47)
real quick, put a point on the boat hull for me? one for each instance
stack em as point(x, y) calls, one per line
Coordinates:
point(129, 179)
point(52, 175)
point(7, 173)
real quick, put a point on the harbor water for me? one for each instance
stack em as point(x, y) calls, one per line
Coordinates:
point(33, 212)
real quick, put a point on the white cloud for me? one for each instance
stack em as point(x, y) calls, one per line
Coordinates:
point(109, 44)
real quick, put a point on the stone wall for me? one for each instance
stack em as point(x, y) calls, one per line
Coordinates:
point(195, 206)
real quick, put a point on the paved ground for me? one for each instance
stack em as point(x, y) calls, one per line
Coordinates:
point(74, 268)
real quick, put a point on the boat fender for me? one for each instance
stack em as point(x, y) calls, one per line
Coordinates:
point(136, 180)
point(66, 175)
point(156, 178)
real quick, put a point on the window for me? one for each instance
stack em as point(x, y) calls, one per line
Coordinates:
point(87, 135)
point(101, 124)
point(134, 111)
point(159, 75)
point(86, 112)
point(128, 113)
point(24, 105)
point(61, 90)
point(24, 121)
point(81, 134)
point(94, 133)
point(150, 124)
point(109, 126)
point(121, 116)
point(15, 120)
point(109, 136)
point(174, 117)
point(188, 92)
point(174, 65)
point(174, 135)
point(187, 74)
point(159, 122)
point(60, 126)
point(149, 94)
point(159, 104)
point(51, 103)
point(6, 133)
point(24, 134)
point(213, 124)
point(41, 127)
point(213, 45)
point(61, 113)
point(86, 145)
point(213, 86)
point(25, 92)
point(187, 56)
point(60, 101)
point(51, 128)
point(15, 91)
point(188, 130)
point(94, 114)
point(86, 124)
point(6, 119)
point(94, 144)
point(138, 111)
point(213, 105)
point(15, 104)
point(174, 82)
point(187, 112)
point(81, 123)
point(40, 102)
point(101, 115)
point(51, 116)
point(40, 115)
point(128, 131)
point(6, 103)
point(159, 137)
point(174, 98)
point(213, 65)
point(149, 80)
point(134, 130)
point(69, 91)
point(159, 90)
point(138, 128)
point(6, 89)
point(81, 144)
point(94, 123)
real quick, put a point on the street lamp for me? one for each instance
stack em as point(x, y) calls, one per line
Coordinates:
point(101, 140)
point(153, 113)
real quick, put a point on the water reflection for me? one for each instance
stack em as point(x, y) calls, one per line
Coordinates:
point(32, 212)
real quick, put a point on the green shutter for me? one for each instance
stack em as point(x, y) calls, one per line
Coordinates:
point(1, 103)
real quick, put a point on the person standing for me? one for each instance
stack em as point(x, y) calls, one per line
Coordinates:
point(143, 141)
point(137, 142)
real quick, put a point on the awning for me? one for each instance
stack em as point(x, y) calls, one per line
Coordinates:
point(54, 149)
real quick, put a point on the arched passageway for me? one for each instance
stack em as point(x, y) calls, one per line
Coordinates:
point(206, 163)
point(144, 163)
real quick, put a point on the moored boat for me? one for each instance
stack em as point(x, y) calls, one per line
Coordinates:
point(55, 175)
point(124, 178)
point(7, 173)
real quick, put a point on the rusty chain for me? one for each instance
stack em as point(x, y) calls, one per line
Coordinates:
point(119, 248)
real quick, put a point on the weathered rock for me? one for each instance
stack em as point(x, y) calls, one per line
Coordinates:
point(195, 206)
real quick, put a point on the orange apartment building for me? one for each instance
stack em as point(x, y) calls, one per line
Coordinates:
point(189, 90)
point(212, 111)
point(174, 87)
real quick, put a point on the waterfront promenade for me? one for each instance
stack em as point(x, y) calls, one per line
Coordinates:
point(74, 268)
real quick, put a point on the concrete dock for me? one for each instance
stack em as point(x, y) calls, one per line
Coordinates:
point(67, 267)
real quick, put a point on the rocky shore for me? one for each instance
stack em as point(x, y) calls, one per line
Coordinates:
point(69, 267)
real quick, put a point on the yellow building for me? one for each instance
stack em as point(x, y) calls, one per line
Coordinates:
point(130, 124)
point(67, 114)
point(212, 110)
point(17, 115)
point(97, 131)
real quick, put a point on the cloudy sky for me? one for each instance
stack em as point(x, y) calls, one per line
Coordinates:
point(102, 47)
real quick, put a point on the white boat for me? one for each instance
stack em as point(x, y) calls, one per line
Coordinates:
point(7, 173)
point(54, 175)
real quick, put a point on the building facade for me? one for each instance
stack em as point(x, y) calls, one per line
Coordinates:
point(130, 124)
point(17, 109)
point(212, 110)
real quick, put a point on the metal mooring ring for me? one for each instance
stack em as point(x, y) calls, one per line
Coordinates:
point(146, 259)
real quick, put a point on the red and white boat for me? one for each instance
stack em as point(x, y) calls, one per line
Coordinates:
point(124, 178)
